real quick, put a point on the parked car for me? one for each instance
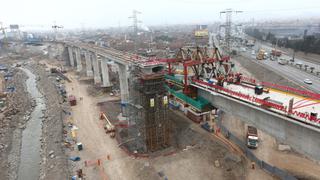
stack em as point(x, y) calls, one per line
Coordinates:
point(307, 81)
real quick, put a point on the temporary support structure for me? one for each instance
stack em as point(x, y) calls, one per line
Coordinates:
point(148, 111)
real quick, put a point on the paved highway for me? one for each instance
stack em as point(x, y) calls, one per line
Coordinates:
point(292, 73)
point(288, 56)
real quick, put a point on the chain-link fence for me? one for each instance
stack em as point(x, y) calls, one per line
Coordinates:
point(262, 164)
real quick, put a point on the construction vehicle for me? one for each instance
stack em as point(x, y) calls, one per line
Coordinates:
point(72, 100)
point(252, 137)
point(275, 52)
point(250, 43)
point(109, 127)
point(261, 54)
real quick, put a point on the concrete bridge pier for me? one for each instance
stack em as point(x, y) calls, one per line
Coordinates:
point(96, 69)
point(78, 59)
point(88, 63)
point(124, 87)
point(105, 73)
point(70, 51)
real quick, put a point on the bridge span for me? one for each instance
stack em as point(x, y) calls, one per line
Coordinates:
point(294, 122)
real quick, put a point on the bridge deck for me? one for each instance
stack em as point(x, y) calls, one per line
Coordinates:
point(117, 56)
point(278, 100)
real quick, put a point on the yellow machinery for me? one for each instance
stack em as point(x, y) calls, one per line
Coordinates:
point(261, 54)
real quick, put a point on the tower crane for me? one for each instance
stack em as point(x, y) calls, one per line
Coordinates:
point(55, 28)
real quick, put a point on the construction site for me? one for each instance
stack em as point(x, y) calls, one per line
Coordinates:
point(232, 99)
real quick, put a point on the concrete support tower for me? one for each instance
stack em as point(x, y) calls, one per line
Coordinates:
point(105, 73)
point(78, 59)
point(124, 89)
point(88, 64)
point(71, 56)
point(96, 69)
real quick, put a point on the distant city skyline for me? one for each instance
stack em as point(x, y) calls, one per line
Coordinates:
point(103, 14)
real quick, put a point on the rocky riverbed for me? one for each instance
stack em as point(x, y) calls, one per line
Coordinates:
point(15, 115)
point(54, 161)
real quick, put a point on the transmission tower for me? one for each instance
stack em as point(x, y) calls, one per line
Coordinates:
point(3, 31)
point(135, 21)
point(227, 26)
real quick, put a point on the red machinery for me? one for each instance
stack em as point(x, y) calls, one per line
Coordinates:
point(201, 64)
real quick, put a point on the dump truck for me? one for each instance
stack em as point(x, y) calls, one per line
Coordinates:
point(275, 52)
point(261, 54)
point(252, 137)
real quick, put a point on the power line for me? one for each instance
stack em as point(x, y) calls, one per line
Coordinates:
point(274, 10)
point(227, 26)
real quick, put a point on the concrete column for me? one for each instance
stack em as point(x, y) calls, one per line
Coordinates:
point(71, 56)
point(78, 59)
point(96, 69)
point(88, 64)
point(105, 73)
point(123, 79)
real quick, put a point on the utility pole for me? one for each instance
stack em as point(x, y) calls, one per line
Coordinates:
point(135, 21)
point(227, 26)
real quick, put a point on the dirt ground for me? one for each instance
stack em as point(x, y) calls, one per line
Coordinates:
point(294, 163)
point(189, 162)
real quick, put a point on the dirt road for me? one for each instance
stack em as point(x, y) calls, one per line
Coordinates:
point(195, 163)
point(85, 116)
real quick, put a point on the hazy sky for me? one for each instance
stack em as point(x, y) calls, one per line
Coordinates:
point(107, 13)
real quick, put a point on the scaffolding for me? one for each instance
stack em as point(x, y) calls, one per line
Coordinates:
point(148, 111)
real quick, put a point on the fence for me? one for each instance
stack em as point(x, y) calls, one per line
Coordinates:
point(262, 164)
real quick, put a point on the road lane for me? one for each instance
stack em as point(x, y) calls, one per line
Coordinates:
point(289, 72)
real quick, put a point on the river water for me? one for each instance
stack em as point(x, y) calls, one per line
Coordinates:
point(29, 167)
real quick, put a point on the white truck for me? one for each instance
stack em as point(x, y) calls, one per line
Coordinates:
point(252, 137)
